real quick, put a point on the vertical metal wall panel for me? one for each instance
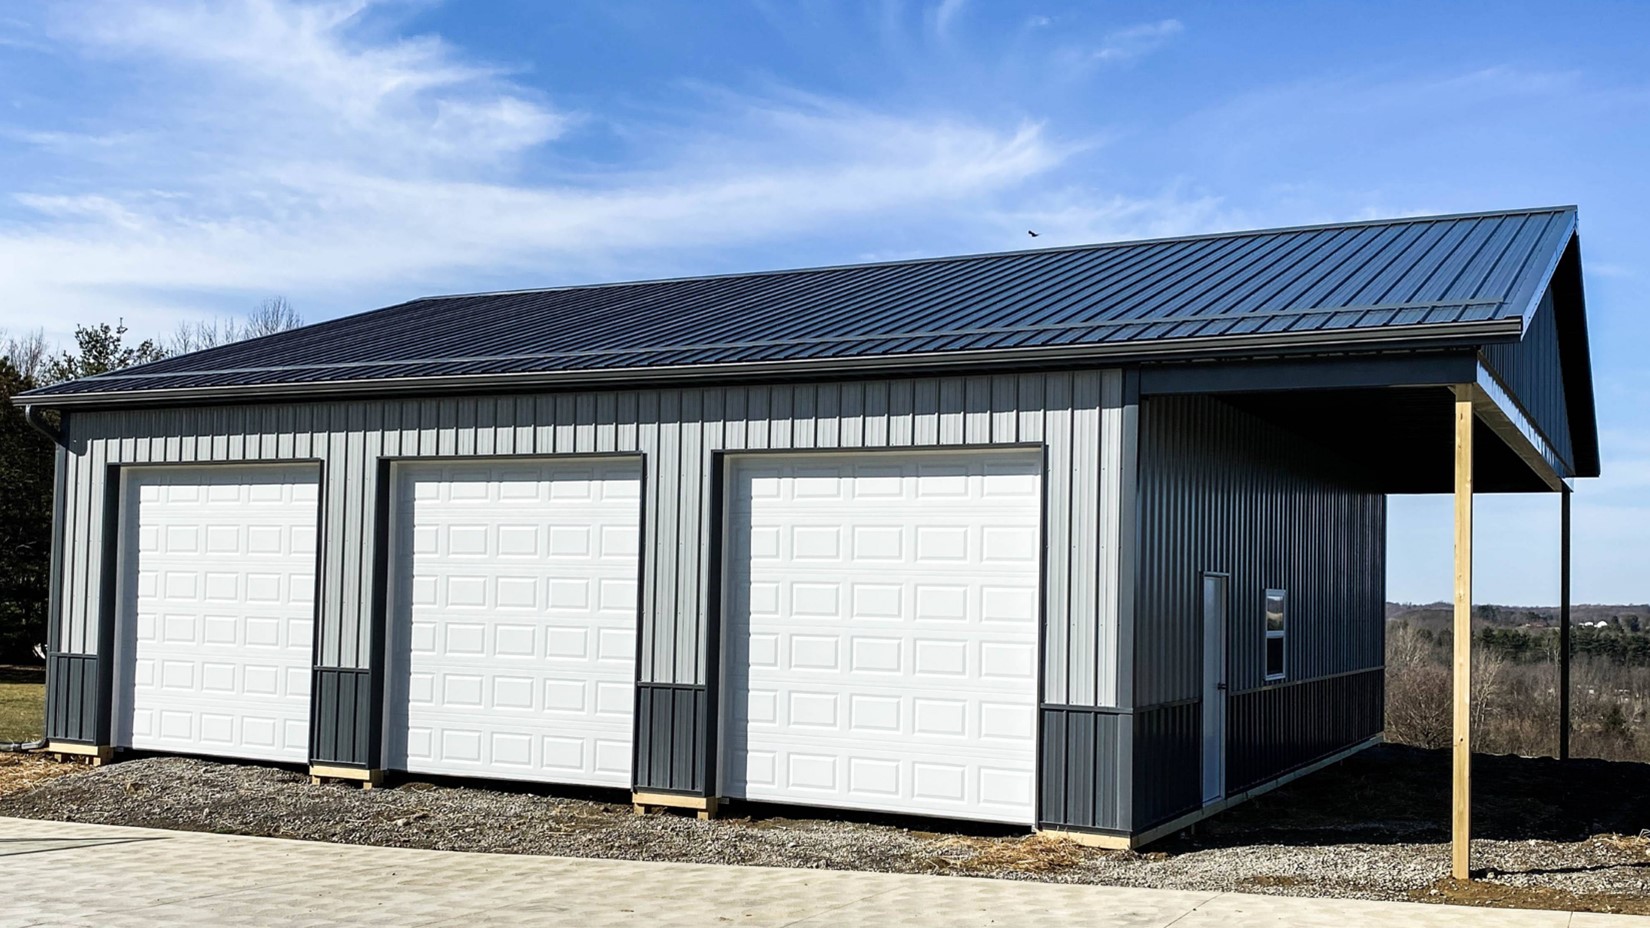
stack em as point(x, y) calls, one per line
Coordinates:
point(1057, 539)
point(341, 729)
point(1274, 730)
point(1533, 372)
point(678, 431)
point(670, 755)
point(74, 698)
point(1167, 774)
point(1221, 490)
point(1084, 769)
point(1086, 512)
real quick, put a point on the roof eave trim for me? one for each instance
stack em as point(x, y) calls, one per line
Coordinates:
point(1434, 335)
point(1544, 280)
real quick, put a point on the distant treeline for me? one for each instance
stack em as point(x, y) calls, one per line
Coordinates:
point(1626, 642)
point(1627, 617)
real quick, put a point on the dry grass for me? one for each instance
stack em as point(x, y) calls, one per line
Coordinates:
point(1030, 854)
point(1501, 896)
point(21, 772)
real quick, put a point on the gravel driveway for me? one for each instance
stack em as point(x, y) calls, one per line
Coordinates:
point(1556, 836)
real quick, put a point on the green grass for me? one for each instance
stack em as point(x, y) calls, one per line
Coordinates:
point(22, 703)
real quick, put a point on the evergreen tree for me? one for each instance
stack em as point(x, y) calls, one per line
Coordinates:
point(25, 523)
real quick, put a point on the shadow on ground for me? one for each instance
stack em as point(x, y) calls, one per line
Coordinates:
point(1394, 793)
point(20, 673)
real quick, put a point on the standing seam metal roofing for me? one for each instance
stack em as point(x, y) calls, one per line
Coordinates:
point(1310, 282)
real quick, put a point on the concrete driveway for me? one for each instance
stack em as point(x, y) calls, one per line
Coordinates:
point(96, 875)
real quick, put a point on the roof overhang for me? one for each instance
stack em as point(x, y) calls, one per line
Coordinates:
point(1426, 336)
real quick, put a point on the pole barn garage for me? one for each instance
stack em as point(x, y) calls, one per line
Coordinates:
point(1089, 540)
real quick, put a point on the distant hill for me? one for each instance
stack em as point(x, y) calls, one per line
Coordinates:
point(1438, 616)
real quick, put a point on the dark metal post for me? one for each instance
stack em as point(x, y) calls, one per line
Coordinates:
point(1564, 624)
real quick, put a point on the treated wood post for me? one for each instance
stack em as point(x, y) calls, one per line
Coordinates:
point(1461, 793)
point(1564, 624)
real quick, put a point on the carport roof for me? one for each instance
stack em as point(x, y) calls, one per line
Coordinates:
point(1439, 281)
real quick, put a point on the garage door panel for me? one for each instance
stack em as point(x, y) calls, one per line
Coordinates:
point(218, 610)
point(889, 778)
point(517, 618)
point(883, 631)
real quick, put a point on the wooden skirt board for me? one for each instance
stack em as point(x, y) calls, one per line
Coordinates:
point(881, 648)
point(513, 618)
point(215, 619)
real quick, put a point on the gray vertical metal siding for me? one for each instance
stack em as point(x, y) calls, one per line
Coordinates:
point(343, 729)
point(1221, 490)
point(678, 431)
point(1085, 772)
point(672, 748)
point(1274, 730)
point(75, 698)
point(1533, 372)
point(1168, 777)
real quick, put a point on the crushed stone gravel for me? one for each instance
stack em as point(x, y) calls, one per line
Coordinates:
point(1365, 829)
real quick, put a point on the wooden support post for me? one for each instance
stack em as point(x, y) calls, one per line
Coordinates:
point(1564, 624)
point(1461, 793)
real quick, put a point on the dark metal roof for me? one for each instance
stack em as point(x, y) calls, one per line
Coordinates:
point(1461, 279)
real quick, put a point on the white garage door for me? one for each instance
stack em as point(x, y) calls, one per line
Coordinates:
point(217, 613)
point(882, 640)
point(515, 624)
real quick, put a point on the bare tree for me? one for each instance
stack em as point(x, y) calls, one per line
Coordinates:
point(202, 334)
point(273, 315)
point(26, 353)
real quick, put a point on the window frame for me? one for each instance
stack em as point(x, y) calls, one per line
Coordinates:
point(1281, 634)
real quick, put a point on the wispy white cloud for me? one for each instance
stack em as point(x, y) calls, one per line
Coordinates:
point(945, 12)
point(1137, 41)
point(293, 152)
point(307, 73)
point(1079, 215)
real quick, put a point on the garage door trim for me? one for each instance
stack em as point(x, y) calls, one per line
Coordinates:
point(724, 462)
point(384, 577)
point(112, 591)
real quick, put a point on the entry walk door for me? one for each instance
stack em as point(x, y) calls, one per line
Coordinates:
point(1214, 686)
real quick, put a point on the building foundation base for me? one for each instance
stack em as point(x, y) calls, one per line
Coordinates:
point(369, 779)
point(704, 806)
point(90, 754)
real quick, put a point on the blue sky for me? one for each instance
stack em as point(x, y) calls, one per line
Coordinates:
point(172, 161)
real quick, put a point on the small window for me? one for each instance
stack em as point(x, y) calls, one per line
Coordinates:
point(1277, 616)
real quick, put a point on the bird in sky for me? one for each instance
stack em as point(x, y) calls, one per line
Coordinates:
point(1031, 233)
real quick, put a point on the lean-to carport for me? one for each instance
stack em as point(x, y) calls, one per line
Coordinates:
point(1498, 419)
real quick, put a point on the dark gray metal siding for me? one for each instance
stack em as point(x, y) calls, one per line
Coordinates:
point(673, 739)
point(1085, 773)
point(1532, 370)
point(1427, 271)
point(345, 713)
point(76, 699)
point(1167, 771)
point(1274, 730)
point(1221, 490)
